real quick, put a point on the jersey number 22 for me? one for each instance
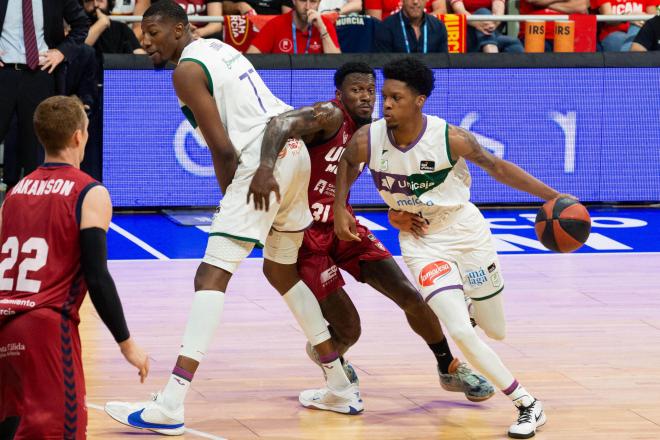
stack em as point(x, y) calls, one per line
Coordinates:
point(32, 264)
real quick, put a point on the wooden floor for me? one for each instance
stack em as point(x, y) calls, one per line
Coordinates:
point(583, 336)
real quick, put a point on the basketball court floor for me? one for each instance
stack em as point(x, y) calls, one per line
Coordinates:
point(583, 336)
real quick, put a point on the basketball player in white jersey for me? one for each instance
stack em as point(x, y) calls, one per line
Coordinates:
point(223, 97)
point(418, 163)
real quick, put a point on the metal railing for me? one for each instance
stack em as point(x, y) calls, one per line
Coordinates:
point(511, 18)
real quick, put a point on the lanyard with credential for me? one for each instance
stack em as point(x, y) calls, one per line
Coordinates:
point(405, 34)
point(295, 43)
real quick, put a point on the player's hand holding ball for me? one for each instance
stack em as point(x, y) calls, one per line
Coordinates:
point(135, 356)
point(563, 224)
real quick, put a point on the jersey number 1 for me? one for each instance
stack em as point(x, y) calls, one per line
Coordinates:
point(32, 264)
point(246, 75)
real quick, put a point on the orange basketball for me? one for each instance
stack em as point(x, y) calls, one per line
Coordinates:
point(563, 224)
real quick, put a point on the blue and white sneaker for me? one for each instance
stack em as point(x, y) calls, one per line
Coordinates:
point(347, 401)
point(152, 415)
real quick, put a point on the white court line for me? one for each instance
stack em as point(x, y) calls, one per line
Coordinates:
point(188, 430)
point(123, 232)
point(502, 254)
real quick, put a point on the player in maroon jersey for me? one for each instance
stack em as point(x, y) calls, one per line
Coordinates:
point(52, 250)
point(325, 128)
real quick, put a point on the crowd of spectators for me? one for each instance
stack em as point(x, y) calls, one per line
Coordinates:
point(403, 25)
point(50, 57)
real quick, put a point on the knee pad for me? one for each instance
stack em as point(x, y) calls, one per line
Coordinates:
point(226, 253)
point(282, 247)
point(461, 334)
point(494, 331)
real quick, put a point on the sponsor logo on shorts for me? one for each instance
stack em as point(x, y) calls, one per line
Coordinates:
point(328, 274)
point(496, 280)
point(477, 277)
point(376, 242)
point(492, 268)
point(431, 272)
point(427, 165)
point(292, 146)
point(11, 349)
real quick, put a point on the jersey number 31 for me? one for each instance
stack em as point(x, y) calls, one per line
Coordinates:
point(31, 264)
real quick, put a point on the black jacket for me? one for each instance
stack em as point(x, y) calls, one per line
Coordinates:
point(390, 37)
point(55, 11)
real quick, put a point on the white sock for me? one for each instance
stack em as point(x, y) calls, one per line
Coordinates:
point(335, 376)
point(177, 387)
point(518, 394)
point(306, 310)
point(202, 323)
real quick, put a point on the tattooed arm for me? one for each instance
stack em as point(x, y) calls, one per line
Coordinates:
point(462, 143)
point(321, 120)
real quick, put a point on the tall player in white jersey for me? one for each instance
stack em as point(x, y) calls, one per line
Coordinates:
point(418, 165)
point(223, 97)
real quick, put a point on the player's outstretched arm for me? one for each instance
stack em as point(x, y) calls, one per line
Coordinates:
point(462, 143)
point(94, 222)
point(357, 152)
point(306, 123)
point(192, 88)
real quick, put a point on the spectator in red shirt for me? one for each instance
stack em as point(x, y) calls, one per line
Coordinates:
point(192, 7)
point(483, 36)
point(550, 7)
point(301, 31)
point(618, 37)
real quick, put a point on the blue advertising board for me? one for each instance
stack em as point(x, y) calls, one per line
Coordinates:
point(591, 132)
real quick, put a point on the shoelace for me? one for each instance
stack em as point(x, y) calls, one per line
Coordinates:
point(467, 375)
point(526, 414)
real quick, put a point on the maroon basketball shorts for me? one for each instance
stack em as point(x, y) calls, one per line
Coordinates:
point(41, 376)
point(322, 255)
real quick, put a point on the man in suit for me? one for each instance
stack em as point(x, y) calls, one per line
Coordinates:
point(32, 47)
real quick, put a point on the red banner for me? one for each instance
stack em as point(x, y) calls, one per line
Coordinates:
point(456, 32)
point(238, 30)
point(585, 32)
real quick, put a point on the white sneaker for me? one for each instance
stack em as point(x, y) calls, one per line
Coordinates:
point(347, 401)
point(530, 418)
point(152, 415)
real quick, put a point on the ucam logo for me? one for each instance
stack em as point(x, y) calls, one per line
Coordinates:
point(183, 132)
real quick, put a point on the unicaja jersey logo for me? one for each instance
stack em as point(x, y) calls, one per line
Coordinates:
point(431, 272)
